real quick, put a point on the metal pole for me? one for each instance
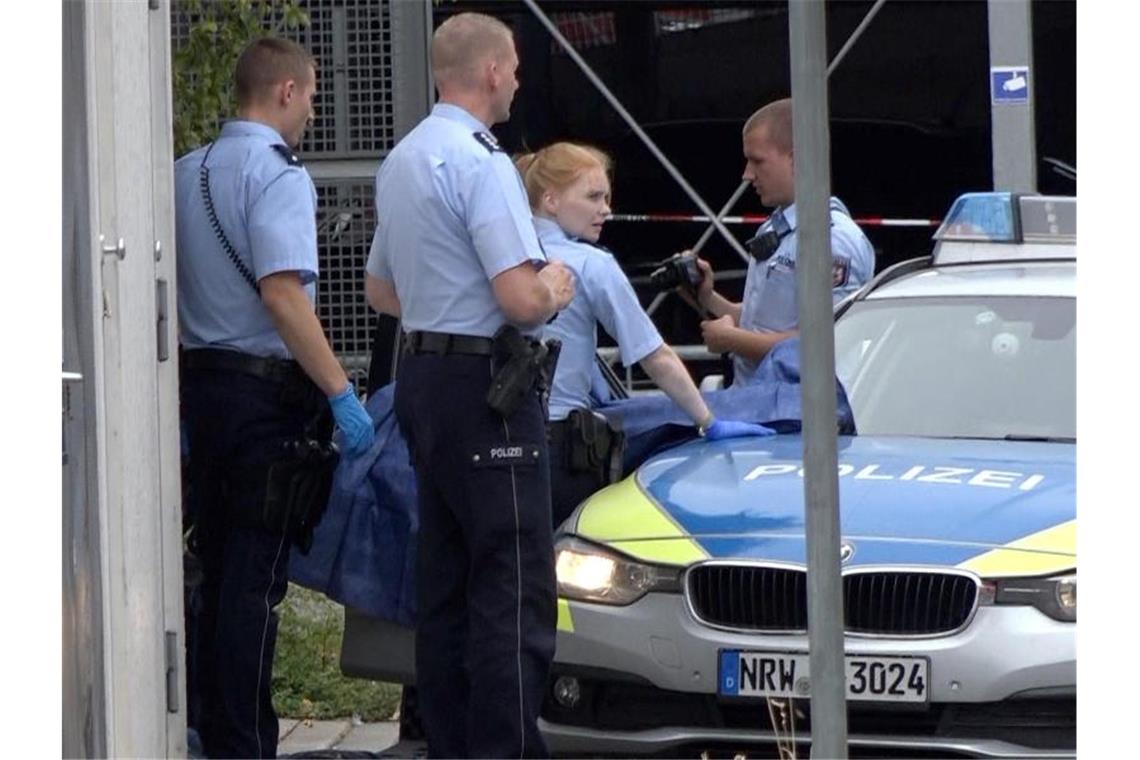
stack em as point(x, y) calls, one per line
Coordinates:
point(412, 89)
point(855, 35)
point(665, 162)
point(1011, 95)
point(727, 207)
point(808, 45)
point(657, 299)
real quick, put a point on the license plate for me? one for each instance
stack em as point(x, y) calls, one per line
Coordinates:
point(786, 674)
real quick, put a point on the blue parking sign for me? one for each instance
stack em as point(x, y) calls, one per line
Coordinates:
point(1009, 84)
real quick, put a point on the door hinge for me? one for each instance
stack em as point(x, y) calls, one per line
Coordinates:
point(69, 378)
point(172, 659)
point(162, 310)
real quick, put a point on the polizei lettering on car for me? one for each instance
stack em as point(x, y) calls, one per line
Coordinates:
point(919, 473)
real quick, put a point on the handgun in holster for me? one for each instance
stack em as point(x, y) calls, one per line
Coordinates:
point(524, 366)
point(546, 372)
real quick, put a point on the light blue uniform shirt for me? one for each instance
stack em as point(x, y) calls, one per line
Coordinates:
point(603, 294)
point(770, 288)
point(267, 208)
point(451, 214)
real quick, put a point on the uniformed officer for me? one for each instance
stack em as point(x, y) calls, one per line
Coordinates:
point(455, 255)
point(568, 186)
point(256, 372)
point(768, 313)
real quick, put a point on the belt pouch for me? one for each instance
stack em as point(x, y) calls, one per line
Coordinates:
point(593, 446)
point(589, 442)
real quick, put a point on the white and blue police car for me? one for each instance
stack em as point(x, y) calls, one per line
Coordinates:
point(682, 623)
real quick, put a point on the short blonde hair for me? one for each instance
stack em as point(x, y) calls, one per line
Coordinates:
point(463, 41)
point(777, 116)
point(557, 166)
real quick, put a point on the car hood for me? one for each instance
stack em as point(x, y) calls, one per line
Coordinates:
point(997, 507)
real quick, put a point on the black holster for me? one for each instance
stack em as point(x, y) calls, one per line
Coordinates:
point(297, 490)
point(523, 366)
point(299, 483)
point(593, 446)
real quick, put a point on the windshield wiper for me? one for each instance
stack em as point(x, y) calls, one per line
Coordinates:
point(1045, 438)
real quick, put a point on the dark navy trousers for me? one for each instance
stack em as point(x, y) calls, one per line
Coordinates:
point(485, 559)
point(237, 426)
point(568, 487)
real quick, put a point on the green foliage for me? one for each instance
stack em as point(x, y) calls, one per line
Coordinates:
point(204, 63)
point(307, 682)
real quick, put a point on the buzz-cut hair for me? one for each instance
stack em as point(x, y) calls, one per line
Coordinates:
point(463, 41)
point(777, 117)
point(266, 62)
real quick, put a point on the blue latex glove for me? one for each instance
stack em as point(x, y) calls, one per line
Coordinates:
point(721, 429)
point(353, 421)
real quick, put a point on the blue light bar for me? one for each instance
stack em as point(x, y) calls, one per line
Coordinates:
point(980, 216)
point(1007, 226)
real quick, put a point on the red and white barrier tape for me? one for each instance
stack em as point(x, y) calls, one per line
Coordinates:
point(870, 221)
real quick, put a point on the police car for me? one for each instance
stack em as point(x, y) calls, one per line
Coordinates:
point(682, 611)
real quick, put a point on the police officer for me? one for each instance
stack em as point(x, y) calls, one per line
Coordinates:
point(256, 373)
point(455, 255)
point(568, 187)
point(768, 313)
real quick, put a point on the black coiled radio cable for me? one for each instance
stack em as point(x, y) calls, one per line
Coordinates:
point(204, 183)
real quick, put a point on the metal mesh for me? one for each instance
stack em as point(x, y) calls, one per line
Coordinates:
point(351, 41)
point(318, 39)
point(179, 24)
point(369, 73)
point(346, 219)
point(584, 30)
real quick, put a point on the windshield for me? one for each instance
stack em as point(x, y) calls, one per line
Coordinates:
point(976, 367)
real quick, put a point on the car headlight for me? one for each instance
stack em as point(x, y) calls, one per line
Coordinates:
point(1056, 596)
point(589, 573)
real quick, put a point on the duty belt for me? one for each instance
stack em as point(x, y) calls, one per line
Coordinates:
point(424, 342)
point(264, 367)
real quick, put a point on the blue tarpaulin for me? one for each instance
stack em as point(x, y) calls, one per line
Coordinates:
point(363, 552)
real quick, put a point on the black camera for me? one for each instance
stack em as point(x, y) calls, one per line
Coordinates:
point(765, 243)
point(678, 269)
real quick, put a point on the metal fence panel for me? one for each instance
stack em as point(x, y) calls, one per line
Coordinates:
point(347, 219)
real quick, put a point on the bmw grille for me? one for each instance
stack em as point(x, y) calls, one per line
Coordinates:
point(878, 602)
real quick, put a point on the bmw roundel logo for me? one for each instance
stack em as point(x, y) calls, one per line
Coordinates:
point(846, 552)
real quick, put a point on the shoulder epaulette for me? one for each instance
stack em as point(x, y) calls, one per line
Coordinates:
point(488, 141)
point(290, 157)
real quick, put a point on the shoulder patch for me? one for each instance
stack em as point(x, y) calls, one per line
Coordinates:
point(488, 141)
point(290, 157)
point(840, 271)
